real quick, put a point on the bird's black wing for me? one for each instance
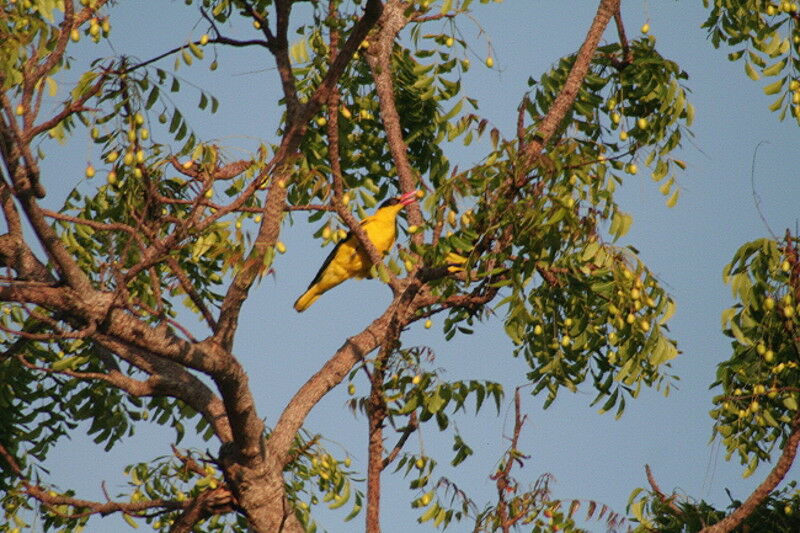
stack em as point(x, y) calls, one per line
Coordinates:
point(329, 259)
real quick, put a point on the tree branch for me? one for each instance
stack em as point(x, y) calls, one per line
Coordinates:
point(411, 427)
point(331, 374)
point(782, 466)
point(563, 102)
point(393, 20)
point(661, 496)
point(92, 507)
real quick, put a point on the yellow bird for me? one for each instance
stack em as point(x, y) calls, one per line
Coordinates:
point(349, 259)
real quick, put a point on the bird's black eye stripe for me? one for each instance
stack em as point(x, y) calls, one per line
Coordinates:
point(390, 201)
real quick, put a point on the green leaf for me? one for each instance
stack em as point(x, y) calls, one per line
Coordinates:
point(774, 69)
point(131, 522)
point(751, 72)
point(774, 87)
point(790, 402)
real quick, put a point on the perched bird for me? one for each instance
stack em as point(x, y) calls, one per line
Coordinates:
point(349, 259)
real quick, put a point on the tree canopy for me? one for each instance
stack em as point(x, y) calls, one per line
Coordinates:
point(102, 295)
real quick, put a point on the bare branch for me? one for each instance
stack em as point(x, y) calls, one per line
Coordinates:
point(668, 501)
point(411, 427)
point(216, 40)
point(623, 39)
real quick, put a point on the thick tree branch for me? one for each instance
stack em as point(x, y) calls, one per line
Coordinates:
point(563, 102)
point(171, 379)
point(379, 55)
point(782, 466)
point(331, 374)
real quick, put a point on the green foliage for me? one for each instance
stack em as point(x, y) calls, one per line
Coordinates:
point(538, 239)
point(767, 37)
point(29, 30)
point(780, 512)
point(316, 477)
point(759, 383)
point(578, 308)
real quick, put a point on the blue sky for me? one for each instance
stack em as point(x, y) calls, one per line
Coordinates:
point(592, 456)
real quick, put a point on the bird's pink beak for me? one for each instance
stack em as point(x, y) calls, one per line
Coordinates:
point(408, 198)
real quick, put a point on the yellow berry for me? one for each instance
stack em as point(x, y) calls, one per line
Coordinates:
point(428, 323)
point(19, 110)
point(416, 380)
point(280, 247)
point(490, 61)
point(204, 39)
point(321, 121)
point(351, 390)
point(641, 123)
point(75, 35)
point(645, 28)
point(90, 171)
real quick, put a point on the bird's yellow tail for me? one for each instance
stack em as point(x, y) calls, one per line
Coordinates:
point(307, 298)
